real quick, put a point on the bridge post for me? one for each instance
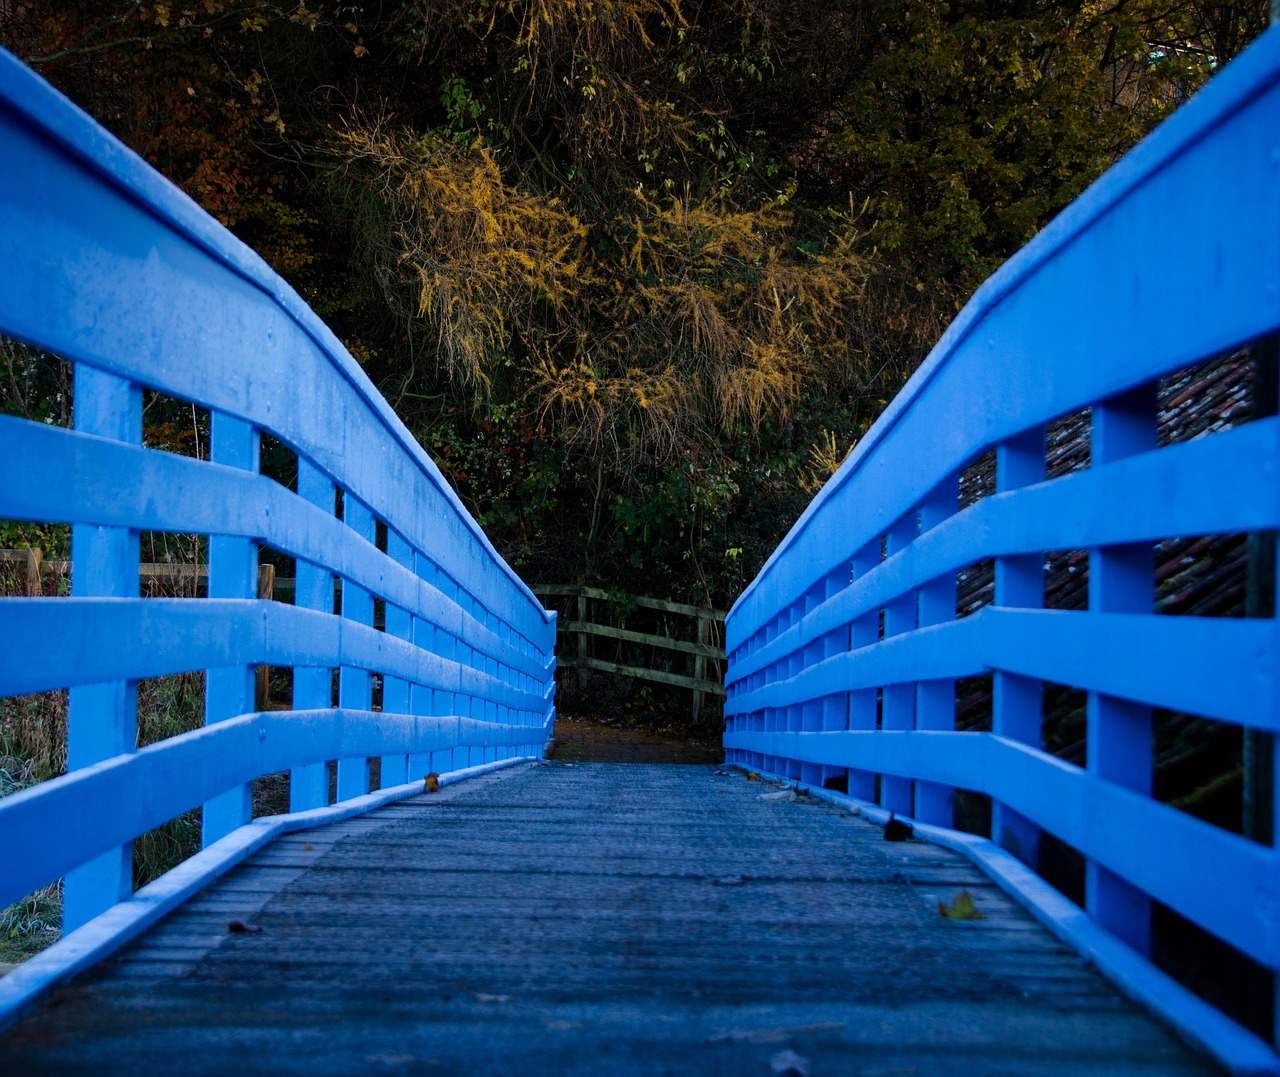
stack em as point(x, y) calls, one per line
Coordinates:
point(1016, 706)
point(355, 686)
point(1119, 731)
point(420, 696)
point(233, 573)
point(936, 699)
point(863, 632)
point(811, 711)
point(835, 708)
point(899, 700)
point(102, 719)
point(395, 692)
point(312, 685)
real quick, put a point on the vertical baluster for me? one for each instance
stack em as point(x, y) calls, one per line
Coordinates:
point(863, 632)
point(811, 711)
point(1016, 700)
point(835, 708)
point(936, 699)
point(545, 647)
point(469, 706)
point(1121, 580)
point(423, 634)
point(355, 686)
point(1262, 750)
point(775, 671)
point(453, 704)
point(395, 692)
point(233, 573)
point(312, 685)
point(896, 793)
point(102, 718)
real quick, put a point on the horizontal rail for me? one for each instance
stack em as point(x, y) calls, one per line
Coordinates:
point(572, 590)
point(52, 828)
point(113, 269)
point(648, 638)
point(659, 676)
point(844, 653)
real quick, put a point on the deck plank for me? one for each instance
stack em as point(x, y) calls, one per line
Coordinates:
point(589, 919)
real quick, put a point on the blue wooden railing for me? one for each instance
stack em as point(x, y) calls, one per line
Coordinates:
point(845, 651)
point(106, 264)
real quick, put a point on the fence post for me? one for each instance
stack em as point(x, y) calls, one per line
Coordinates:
point(582, 641)
point(102, 719)
point(700, 664)
point(34, 558)
point(1119, 732)
point(233, 573)
point(1016, 706)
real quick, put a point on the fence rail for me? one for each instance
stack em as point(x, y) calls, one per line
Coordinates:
point(110, 267)
point(845, 651)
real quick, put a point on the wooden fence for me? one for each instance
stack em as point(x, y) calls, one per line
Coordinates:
point(846, 651)
point(598, 616)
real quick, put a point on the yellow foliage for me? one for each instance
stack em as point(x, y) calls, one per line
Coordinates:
point(666, 325)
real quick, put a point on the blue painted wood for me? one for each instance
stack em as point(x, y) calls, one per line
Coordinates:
point(312, 685)
point(102, 718)
point(49, 828)
point(1107, 300)
point(1019, 584)
point(1120, 732)
point(355, 684)
point(395, 690)
point(109, 266)
point(233, 573)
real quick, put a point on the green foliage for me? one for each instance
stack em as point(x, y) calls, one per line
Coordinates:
point(638, 273)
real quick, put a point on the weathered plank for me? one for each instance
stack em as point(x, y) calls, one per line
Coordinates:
point(661, 676)
point(589, 919)
point(551, 590)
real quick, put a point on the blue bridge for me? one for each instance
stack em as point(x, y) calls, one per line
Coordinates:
point(485, 910)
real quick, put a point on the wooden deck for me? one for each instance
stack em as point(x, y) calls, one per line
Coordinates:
point(589, 919)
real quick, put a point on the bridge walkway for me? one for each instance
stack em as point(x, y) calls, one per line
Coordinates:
point(595, 918)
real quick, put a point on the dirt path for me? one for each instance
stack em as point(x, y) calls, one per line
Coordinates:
point(592, 740)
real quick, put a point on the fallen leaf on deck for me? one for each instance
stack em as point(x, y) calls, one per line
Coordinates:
point(789, 1064)
point(239, 927)
point(752, 776)
point(432, 782)
point(960, 909)
point(309, 847)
